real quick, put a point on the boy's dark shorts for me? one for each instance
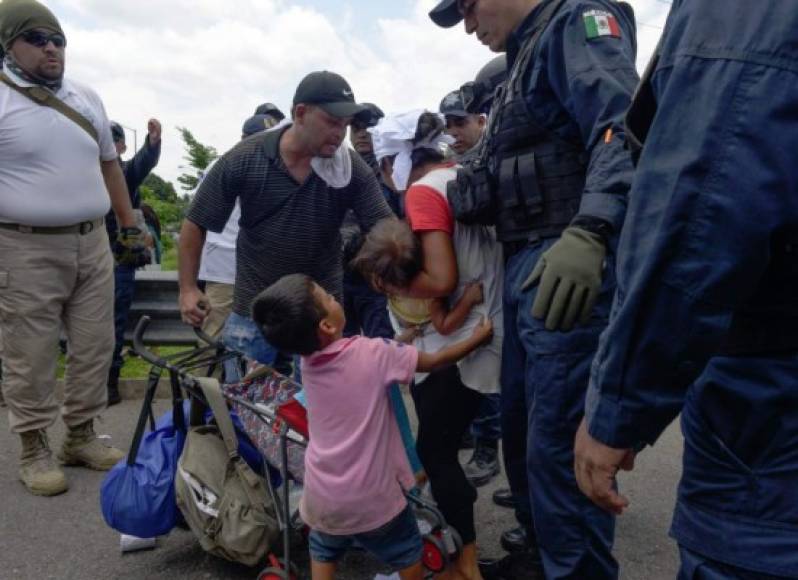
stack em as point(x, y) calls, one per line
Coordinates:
point(397, 543)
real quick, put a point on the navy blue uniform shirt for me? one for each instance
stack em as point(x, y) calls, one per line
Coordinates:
point(580, 87)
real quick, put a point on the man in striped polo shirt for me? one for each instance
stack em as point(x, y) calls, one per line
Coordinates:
point(294, 185)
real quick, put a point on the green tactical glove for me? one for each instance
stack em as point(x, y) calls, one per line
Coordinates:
point(569, 277)
point(129, 248)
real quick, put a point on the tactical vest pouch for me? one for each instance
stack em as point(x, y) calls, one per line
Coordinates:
point(529, 188)
point(470, 196)
point(518, 185)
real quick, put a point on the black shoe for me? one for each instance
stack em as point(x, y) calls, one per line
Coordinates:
point(484, 463)
point(517, 540)
point(503, 497)
point(468, 441)
point(518, 566)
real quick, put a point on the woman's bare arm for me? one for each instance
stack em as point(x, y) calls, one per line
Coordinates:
point(438, 276)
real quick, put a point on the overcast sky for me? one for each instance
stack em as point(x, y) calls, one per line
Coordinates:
point(206, 64)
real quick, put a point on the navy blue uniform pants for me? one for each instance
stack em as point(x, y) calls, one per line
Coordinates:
point(487, 424)
point(697, 567)
point(544, 381)
point(738, 496)
point(124, 291)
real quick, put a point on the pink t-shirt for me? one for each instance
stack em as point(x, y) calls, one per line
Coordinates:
point(356, 468)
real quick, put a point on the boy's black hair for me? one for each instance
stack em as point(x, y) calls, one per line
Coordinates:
point(288, 314)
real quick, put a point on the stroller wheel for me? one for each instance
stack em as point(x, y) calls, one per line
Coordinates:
point(428, 520)
point(273, 574)
point(453, 541)
point(435, 557)
point(299, 527)
point(292, 568)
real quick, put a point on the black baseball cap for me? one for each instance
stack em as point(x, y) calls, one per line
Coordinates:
point(446, 14)
point(330, 92)
point(117, 132)
point(370, 116)
point(270, 109)
point(258, 123)
point(452, 104)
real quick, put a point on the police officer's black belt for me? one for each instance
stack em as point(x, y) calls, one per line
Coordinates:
point(82, 228)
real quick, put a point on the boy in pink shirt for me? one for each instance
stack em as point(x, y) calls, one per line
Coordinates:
point(356, 469)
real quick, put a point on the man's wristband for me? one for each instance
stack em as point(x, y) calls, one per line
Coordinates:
point(130, 230)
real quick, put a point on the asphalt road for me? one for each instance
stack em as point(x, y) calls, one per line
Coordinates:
point(65, 537)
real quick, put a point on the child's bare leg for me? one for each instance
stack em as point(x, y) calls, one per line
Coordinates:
point(322, 570)
point(466, 566)
point(414, 572)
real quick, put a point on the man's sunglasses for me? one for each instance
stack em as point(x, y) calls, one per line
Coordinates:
point(40, 39)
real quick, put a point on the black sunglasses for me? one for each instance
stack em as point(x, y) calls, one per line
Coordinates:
point(40, 39)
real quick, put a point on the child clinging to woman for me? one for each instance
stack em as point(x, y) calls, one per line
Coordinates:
point(356, 469)
point(390, 258)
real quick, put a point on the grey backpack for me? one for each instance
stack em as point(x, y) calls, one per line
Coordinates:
point(228, 506)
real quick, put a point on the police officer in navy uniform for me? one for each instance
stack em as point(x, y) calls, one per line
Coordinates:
point(706, 313)
point(135, 171)
point(554, 180)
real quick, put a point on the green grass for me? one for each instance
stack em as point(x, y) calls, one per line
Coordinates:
point(135, 368)
point(169, 259)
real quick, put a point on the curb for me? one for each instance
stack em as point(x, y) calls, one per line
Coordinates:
point(128, 389)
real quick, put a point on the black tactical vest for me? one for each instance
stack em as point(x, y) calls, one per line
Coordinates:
point(538, 177)
point(768, 321)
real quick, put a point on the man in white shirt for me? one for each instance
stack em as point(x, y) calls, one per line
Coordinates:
point(218, 262)
point(56, 269)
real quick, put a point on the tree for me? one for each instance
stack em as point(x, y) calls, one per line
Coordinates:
point(170, 212)
point(161, 189)
point(198, 156)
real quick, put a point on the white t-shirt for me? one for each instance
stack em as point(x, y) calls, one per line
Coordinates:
point(49, 166)
point(479, 258)
point(219, 252)
point(218, 262)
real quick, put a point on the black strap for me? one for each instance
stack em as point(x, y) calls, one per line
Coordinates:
point(45, 98)
point(516, 73)
point(146, 410)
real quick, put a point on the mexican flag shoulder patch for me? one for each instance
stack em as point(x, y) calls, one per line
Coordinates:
point(600, 23)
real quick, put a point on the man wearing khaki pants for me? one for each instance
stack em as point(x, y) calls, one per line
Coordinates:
point(56, 269)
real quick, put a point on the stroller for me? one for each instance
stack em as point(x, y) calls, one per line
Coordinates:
point(272, 415)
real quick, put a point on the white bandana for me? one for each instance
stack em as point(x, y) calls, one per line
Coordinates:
point(394, 134)
point(336, 171)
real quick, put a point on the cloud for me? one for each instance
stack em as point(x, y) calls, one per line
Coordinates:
point(206, 64)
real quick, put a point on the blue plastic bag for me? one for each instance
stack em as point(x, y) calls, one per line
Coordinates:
point(138, 494)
